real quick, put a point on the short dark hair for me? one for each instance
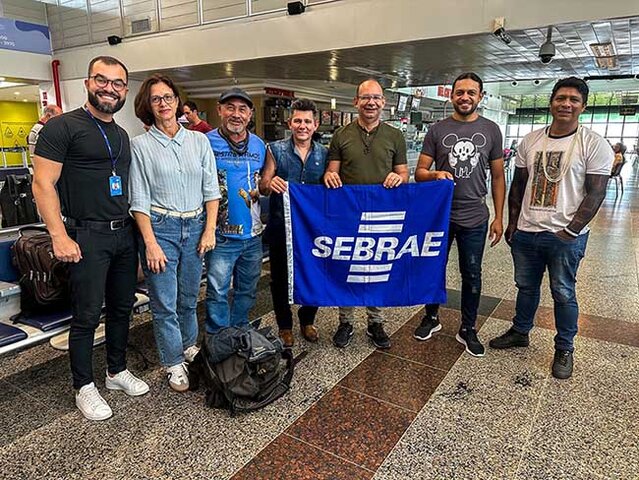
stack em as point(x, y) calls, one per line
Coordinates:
point(107, 61)
point(304, 105)
point(572, 82)
point(191, 104)
point(471, 76)
point(142, 102)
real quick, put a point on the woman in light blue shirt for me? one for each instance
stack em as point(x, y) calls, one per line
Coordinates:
point(174, 195)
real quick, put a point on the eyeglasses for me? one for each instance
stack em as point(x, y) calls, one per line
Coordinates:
point(368, 98)
point(168, 98)
point(100, 81)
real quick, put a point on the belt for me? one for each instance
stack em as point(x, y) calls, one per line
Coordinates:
point(173, 213)
point(111, 225)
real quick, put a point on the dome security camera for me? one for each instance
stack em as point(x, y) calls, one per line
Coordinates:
point(536, 82)
point(547, 50)
point(514, 83)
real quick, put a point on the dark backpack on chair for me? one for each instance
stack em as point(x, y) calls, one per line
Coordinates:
point(242, 369)
point(44, 280)
point(16, 201)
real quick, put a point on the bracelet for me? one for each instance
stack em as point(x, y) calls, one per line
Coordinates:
point(570, 232)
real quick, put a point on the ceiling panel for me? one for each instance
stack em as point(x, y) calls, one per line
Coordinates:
point(437, 61)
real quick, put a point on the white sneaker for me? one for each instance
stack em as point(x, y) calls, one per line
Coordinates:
point(91, 403)
point(127, 382)
point(190, 353)
point(178, 377)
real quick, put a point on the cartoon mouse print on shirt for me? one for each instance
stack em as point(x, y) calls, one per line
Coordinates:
point(464, 153)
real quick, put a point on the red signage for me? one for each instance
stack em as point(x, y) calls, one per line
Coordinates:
point(443, 91)
point(279, 92)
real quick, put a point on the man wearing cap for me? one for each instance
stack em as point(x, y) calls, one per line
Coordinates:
point(238, 252)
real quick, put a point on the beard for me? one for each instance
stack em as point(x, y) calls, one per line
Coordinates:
point(235, 129)
point(105, 107)
point(463, 113)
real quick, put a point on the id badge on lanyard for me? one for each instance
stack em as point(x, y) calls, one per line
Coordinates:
point(115, 181)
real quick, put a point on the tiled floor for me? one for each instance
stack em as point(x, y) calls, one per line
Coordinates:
point(420, 410)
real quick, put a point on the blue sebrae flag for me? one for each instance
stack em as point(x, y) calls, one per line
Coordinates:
point(366, 245)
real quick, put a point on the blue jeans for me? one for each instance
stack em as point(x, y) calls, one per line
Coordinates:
point(241, 259)
point(470, 248)
point(532, 254)
point(174, 292)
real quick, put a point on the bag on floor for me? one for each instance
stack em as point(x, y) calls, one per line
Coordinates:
point(242, 369)
point(16, 201)
point(44, 280)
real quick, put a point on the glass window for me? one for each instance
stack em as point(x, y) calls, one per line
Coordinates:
point(600, 128)
point(630, 132)
point(614, 116)
point(614, 130)
point(540, 118)
point(511, 130)
point(525, 129)
point(600, 117)
point(585, 117)
point(525, 119)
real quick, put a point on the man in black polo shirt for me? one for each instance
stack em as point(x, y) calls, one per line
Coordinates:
point(364, 152)
point(86, 156)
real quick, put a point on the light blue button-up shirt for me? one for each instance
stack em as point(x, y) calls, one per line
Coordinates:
point(177, 174)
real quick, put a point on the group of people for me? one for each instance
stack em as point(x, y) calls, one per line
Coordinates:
point(174, 196)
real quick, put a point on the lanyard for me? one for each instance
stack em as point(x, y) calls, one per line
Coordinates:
point(114, 161)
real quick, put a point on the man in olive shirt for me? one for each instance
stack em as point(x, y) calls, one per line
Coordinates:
point(366, 152)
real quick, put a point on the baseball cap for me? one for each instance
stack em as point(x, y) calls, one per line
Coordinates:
point(235, 93)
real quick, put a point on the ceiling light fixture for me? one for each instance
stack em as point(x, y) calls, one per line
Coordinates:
point(2, 79)
point(606, 49)
point(16, 93)
point(605, 55)
point(333, 103)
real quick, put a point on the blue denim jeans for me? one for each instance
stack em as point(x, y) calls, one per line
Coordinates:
point(174, 292)
point(241, 259)
point(470, 249)
point(532, 254)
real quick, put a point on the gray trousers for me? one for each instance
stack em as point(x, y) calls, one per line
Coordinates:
point(347, 315)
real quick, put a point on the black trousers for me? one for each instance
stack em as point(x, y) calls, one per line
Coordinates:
point(276, 238)
point(106, 274)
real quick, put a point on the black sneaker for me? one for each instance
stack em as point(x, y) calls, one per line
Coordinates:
point(468, 337)
point(343, 335)
point(562, 364)
point(512, 338)
point(430, 324)
point(378, 335)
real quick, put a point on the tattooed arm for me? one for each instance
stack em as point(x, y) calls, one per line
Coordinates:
point(515, 199)
point(595, 192)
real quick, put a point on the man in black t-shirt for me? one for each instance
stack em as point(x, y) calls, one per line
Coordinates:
point(80, 186)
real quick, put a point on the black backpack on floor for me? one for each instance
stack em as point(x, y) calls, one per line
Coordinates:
point(242, 369)
point(16, 201)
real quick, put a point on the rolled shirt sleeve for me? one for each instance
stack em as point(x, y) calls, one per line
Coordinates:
point(210, 186)
point(139, 185)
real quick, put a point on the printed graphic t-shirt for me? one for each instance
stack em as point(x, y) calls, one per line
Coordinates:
point(548, 205)
point(238, 178)
point(465, 149)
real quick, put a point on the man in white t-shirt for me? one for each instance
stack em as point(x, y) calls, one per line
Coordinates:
point(49, 112)
point(560, 179)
